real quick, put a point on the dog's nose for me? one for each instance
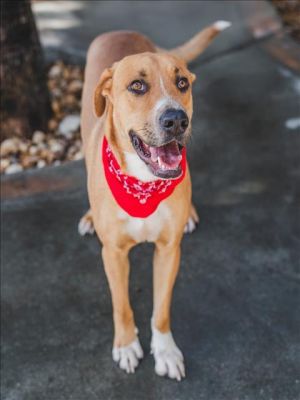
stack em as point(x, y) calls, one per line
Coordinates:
point(174, 121)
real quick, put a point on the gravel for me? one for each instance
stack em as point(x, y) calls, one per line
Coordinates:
point(61, 142)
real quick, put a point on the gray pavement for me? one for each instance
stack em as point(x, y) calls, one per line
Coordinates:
point(236, 309)
point(68, 27)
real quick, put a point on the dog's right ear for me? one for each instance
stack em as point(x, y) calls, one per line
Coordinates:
point(103, 91)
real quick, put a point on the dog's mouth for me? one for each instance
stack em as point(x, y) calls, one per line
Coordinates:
point(163, 161)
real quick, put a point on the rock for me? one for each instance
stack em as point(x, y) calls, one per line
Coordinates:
point(63, 84)
point(52, 125)
point(75, 86)
point(56, 92)
point(57, 147)
point(55, 71)
point(4, 163)
point(41, 146)
point(66, 73)
point(9, 146)
point(55, 106)
point(14, 168)
point(69, 125)
point(78, 155)
point(29, 161)
point(60, 115)
point(23, 147)
point(76, 73)
point(38, 137)
point(71, 151)
point(70, 101)
point(41, 164)
point(48, 156)
point(33, 150)
point(52, 84)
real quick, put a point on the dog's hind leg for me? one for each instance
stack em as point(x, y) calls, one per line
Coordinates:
point(86, 224)
point(192, 221)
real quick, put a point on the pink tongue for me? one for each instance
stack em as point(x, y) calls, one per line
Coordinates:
point(167, 156)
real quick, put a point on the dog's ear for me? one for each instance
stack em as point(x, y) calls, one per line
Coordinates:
point(102, 91)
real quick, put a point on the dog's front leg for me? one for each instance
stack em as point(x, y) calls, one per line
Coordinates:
point(168, 358)
point(126, 348)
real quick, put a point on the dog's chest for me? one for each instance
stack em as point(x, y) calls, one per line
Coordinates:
point(146, 229)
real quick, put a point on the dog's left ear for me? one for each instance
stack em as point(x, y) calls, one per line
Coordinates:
point(103, 91)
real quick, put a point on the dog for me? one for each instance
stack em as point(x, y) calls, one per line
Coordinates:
point(135, 123)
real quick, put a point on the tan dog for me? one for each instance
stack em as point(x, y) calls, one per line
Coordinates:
point(143, 105)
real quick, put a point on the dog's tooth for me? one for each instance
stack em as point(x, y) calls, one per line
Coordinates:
point(153, 153)
point(159, 162)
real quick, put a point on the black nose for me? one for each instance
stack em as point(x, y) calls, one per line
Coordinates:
point(174, 121)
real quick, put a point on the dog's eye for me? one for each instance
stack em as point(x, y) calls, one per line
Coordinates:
point(138, 87)
point(183, 84)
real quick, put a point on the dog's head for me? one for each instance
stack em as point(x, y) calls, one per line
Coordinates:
point(151, 98)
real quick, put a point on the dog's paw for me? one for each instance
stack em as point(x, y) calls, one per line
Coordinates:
point(128, 356)
point(190, 226)
point(192, 221)
point(167, 356)
point(86, 225)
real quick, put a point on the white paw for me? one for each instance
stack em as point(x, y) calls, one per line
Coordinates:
point(190, 226)
point(168, 358)
point(86, 226)
point(128, 356)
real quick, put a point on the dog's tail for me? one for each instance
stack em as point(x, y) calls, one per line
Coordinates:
point(197, 44)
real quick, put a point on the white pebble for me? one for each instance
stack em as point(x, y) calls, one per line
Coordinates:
point(8, 146)
point(33, 150)
point(38, 137)
point(56, 147)
point(78, 155)
point(41, 164)
point(4, 163)
point(23, 147)
point(55, 71)
point(14, 168)
point(75, 86)
point(69, 125)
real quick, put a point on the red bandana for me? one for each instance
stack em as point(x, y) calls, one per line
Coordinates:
point(138, 199)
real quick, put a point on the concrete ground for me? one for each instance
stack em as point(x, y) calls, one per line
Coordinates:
point(68, 27)
point(236, 308)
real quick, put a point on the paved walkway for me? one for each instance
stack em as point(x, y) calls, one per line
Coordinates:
point(68, 27)
point(236, 310)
